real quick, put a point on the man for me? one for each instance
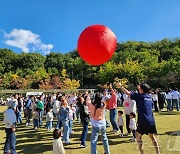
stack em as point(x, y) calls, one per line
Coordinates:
point(146, 121)
point(175, 98)
point(113, 109)
point(10, 120)
point(29, 110)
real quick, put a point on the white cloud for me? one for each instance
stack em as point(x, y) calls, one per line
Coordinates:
point(26, 40)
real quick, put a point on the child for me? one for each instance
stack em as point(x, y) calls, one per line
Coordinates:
point(72, 110)
point(57, 143)
point(35, 116)
point(49, 119)
point(120, 122)
point(132, 126)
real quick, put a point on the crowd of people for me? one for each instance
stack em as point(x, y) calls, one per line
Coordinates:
point(89, 109)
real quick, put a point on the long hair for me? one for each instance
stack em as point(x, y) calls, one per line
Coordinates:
point(97, 102)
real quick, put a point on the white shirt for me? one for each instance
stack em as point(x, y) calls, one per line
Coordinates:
point(56, 106)
point(154, 97)
point(49, 116)
point(129, 106)
point(58, 147)
point(120, 121)
point(73, 100)
point(169, 95)
point(105, 98)
point(9, 118)
point(175, 94)
point(132, 124)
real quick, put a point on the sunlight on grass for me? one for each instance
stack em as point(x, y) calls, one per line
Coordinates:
point(31, 142)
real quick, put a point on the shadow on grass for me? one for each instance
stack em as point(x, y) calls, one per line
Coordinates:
point(167, 113)
point(172, 133)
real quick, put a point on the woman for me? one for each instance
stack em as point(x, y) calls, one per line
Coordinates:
point(64, 119)
point(40, 106)
point(84, 115)
point(97, 117)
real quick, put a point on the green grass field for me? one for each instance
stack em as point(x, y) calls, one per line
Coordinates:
point(31, 142)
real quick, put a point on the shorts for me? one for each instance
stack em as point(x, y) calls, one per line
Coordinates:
point(147, 129)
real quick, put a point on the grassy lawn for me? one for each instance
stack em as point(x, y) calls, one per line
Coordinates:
point(31, 142)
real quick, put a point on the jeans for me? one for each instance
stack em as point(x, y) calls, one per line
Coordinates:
point(113, 114)
point(10, 143)
point(19, 117)
point(94, 138)
point(175, 101)
point(65, 124)
point(107, 123)
point(35, 122)
point(49, 125)
point(41, 112)
point(84, 133)
point(59, 123)
point(169, 104)
point(127, 123)
point(70, 126)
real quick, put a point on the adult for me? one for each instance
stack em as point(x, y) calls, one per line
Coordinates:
point(64, 119)
point(169, 100)
point(40, 107)
point(155, 101)
point(113, 109)
point(19, 110)
point(161, 99)
point(146, 121)
point(97, 117)
point(29, 109)
point(56, 109)
point(129, 107)
point(175, 99)
point(10, 120)
point(84, 115)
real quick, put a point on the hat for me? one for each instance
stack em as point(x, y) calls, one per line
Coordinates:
point(9, 103)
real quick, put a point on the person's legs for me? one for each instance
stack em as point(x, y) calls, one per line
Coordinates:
point(155, 106)
point(50, 125)
point(66, 131)
point(94, 138)
point(155, 143)
point(173, 102)
point(84, 133)
point(70, 126)
point(13, 143)
point(77, 114)
point(113, 114)
point(121, 129)
point(107, 123)
point(139, 142)
point(127, 123)
point(169, 104)
point(7, 142)
point(47, 125)
point(105, 140)
point(40, 117)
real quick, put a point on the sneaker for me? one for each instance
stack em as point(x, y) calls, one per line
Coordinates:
point(133, 139)
point(116, 132)
point(66, 142)
point(83, 145)
point(27, 124)
point(121, 135)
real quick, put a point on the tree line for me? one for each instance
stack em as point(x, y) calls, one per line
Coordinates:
point(156, 63)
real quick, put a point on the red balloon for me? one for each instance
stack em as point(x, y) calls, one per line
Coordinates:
point(96, 44)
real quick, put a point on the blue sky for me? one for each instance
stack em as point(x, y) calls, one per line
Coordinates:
point(44, 25)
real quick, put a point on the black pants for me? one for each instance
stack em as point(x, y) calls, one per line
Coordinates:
point(127, 123)
point(121, 129)
point(155, 106)
point(134, 133)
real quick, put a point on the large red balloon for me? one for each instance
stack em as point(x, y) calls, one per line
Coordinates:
point(96, 44)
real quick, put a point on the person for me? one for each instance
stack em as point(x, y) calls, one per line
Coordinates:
point(19, 110)
point(105, 99)
point(84, 116)
point(29, 109)
point(35, 116)
point(40, 106)
point(128, 106)
point(175, 99)
point(57, 143)
point(97, 118)
point(49, 104)
point(10, 120)
point(161, 98)
point(49, 119)
point(64, 120)
point(132, 126)
point(146, 121)
point(113, 110)
point(56, 109)
point(155, 101)
point(169, 100)
point(72, 110)
point(120, 122)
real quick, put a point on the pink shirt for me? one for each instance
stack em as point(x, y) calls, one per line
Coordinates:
point(113, 100)
point(99, 112)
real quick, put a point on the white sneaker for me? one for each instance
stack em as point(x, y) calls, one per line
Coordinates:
point(121, 135)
